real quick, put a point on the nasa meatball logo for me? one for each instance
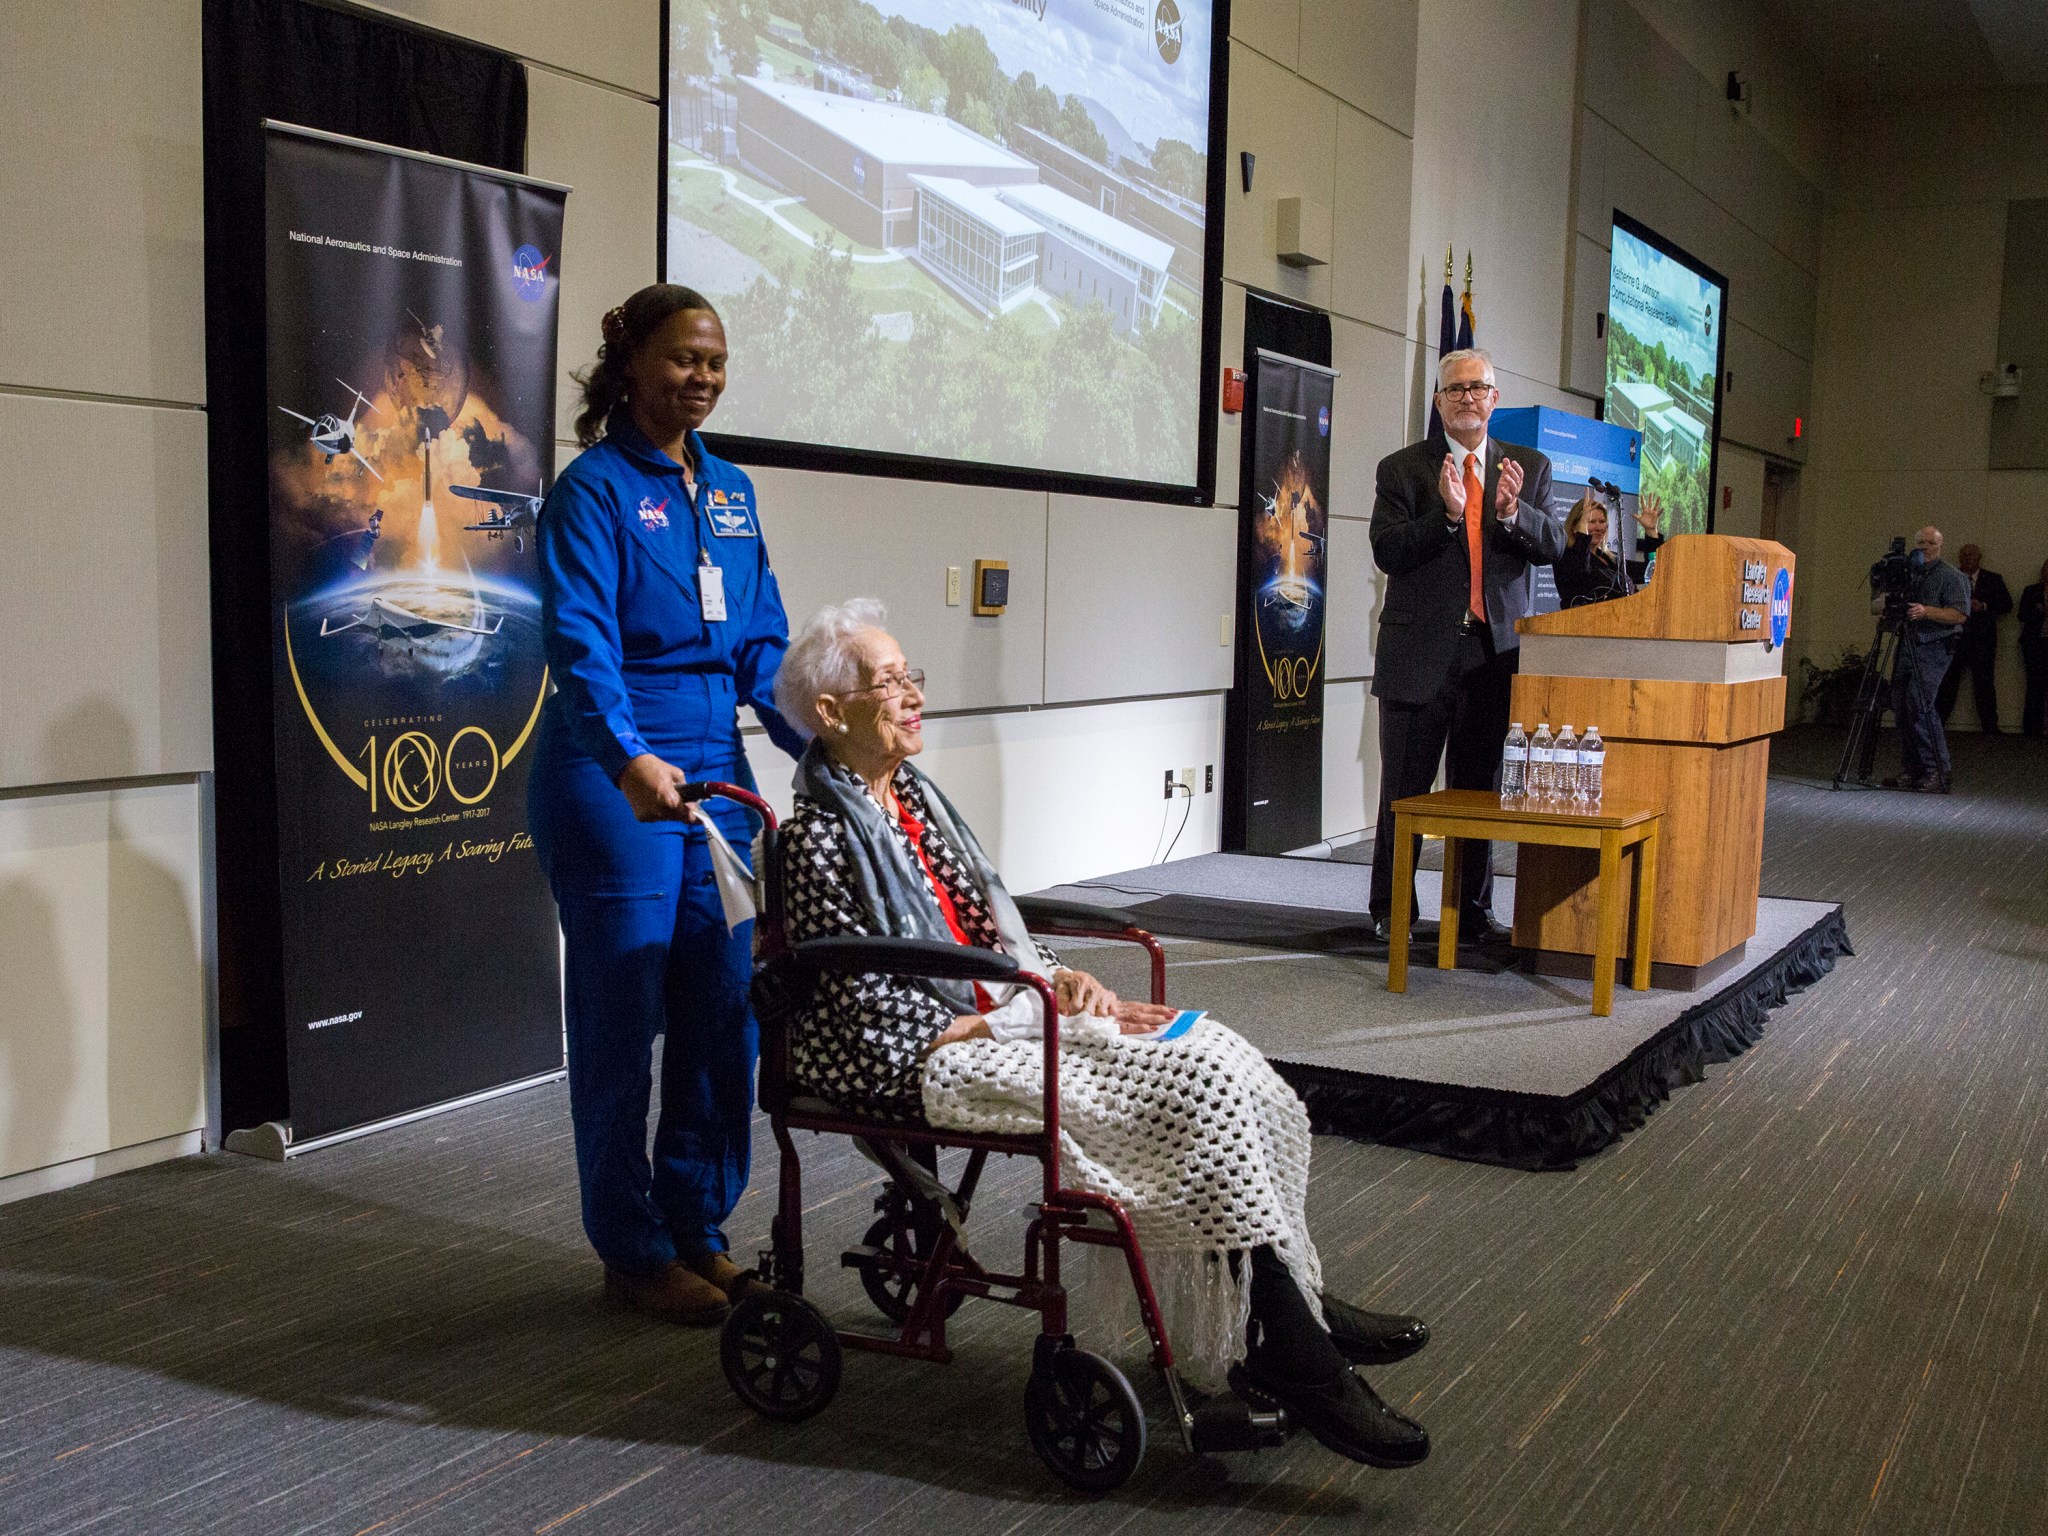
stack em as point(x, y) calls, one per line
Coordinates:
point(1781, 608)
point(1323, 422)
point(653, 514)
point(1166, 30)
point(530, 273)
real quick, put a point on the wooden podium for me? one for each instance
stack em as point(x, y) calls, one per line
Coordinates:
point(1685, 680)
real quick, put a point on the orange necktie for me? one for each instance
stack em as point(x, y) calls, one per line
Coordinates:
point(1475, 547)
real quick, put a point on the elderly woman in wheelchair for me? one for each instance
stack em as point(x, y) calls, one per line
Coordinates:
point(1174, 1118)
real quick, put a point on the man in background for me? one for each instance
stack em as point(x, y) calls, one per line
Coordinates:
point(1935, 612)
point(1457, 520)
point(1977, 651)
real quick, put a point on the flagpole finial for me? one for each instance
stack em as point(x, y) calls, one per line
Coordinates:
point(1468, 271)
point(1447, 261)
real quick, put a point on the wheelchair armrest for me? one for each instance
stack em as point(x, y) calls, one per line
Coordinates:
point(1050, 912)
point(904, 957)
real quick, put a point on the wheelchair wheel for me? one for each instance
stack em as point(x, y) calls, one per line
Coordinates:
point(891, 1278)
point(1083, 1419)
point(780, 1356)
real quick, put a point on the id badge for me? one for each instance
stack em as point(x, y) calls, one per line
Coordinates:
point(711, 592)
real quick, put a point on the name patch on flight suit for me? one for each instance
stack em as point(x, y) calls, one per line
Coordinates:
point(731, 517)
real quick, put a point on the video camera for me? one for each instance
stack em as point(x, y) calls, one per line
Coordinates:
point(1895, 575)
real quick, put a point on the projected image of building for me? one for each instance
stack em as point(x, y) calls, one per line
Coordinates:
point(854, 161)
point(1634, 402)
point(1673, 437)
point(1093, 258)
point(974, 243)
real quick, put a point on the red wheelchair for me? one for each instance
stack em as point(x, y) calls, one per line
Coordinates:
point(783, 1357)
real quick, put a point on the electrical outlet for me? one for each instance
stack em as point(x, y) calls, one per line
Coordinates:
point(1169, 785)
point(1187, 780)
point(952, 586)
point(1209, 779)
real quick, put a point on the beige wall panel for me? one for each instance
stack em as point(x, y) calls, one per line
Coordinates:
point(105, 587)
point(1771, 387)
point(1229, 429)
point(1640, 83)
point(1586, 340)
point(1493, 169)
point(1292, 128)
point(1273, 27)
point(1767, 291)
point(102, 1020)
point(1922, 154)
point(1136, 597)
point(603, 145)
point(101, 239)
point(1351, 761)
point(1364, 52)
point(1353, 599)
point(832, 537)
point(1368, 415)
point(1741, 171)
point(1595, 209)
point(1369, 262)
point(1647, 189)
point(1739, 492)
point(1909, 318)
point(2028, 174)
point(618, 42)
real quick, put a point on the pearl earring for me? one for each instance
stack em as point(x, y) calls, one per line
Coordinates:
point(844, 727)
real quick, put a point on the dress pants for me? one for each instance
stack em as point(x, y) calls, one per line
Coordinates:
point(2034, 657)
point(646, 952)
point(1978, 656)
point(1468, 719)
point(1916, 680)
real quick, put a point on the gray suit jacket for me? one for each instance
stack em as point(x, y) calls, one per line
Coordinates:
point(1429, 571)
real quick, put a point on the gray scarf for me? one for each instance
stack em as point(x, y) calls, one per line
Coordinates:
point(892, 887)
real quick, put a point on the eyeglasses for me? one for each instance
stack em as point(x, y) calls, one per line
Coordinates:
point(889, 687)
point(1464, 391)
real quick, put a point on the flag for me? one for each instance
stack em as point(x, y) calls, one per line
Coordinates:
point(1446, 340)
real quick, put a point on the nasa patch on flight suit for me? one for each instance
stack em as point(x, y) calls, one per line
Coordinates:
point(731, 517)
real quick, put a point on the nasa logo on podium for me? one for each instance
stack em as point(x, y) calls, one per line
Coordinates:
point(1781, 608)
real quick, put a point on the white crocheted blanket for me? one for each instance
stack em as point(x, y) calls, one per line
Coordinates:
point(1196, 1137)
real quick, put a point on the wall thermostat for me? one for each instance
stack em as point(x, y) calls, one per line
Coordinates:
point(991, 586)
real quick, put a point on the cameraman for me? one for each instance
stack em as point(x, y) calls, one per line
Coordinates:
point(1935, 610)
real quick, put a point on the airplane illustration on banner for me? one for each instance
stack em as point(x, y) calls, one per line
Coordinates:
point(334, 435)
point(392, 622)
point(516, 507)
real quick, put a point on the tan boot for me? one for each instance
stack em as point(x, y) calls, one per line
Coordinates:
point(676, 1294)
point(733, 1282)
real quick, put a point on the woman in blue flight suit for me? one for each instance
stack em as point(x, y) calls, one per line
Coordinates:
point(661, 617)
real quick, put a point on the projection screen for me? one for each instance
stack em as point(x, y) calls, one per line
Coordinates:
point(954, 238)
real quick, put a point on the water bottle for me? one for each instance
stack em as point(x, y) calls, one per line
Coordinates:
point(1514, 766)
point(1540, 765)
point(1564, 772)
point(1592, 763)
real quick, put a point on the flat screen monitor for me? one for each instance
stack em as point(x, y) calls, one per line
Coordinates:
point(955, 239)
point(1666, 340)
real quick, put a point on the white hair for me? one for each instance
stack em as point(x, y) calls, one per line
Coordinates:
point(1464, 355)
point(821, 659)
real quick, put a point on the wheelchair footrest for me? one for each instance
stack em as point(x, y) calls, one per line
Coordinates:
point(1229, 1425)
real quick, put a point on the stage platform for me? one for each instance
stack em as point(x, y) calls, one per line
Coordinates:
point(1490, 1062)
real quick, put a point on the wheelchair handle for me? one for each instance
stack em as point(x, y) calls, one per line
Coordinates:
point(713, 789)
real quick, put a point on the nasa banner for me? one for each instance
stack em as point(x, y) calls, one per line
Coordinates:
point(1274, 767)
point(411, 305)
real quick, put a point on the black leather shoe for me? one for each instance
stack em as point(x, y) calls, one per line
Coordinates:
point(1372, 1338)
point(1383, 930)
point(1899, 781)
point(1484, 931)
point(1346, 1415)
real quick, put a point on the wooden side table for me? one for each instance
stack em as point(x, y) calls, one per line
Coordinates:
point(1457, 814)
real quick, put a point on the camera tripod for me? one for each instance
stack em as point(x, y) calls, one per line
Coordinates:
point(1872, 690)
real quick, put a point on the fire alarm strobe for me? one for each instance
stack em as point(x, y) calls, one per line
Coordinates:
point(991, 587)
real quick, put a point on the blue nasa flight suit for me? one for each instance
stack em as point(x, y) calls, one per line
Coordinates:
point(639, 668)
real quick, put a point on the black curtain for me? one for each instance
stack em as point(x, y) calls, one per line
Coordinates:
point(343, 72)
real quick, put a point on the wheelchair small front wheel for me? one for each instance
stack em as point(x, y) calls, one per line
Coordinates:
point(890, 1278)
point(780, 1356)
point(1083, 1419)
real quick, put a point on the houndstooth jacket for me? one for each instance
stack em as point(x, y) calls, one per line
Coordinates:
point(862, 1041)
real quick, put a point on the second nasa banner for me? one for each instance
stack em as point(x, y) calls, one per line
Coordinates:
point(411, 305)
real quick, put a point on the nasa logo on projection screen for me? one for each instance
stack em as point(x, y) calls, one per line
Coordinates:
point(530, 273)
point(1166, 30)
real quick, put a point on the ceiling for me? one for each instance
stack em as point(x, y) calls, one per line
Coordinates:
point(1875, 50)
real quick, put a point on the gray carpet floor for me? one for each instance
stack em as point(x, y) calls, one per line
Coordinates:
point(1807, 1297)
